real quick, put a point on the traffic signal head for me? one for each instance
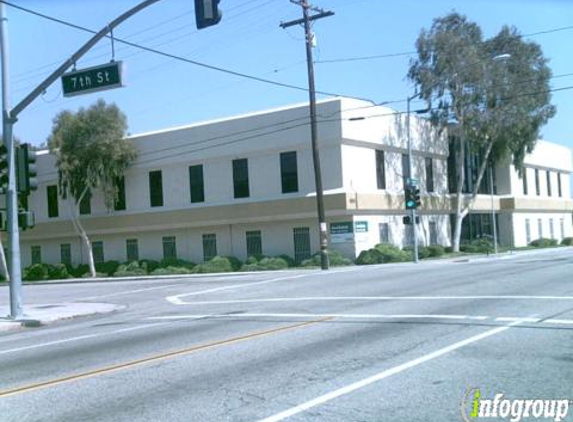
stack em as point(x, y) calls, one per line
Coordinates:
point(3, 168)
point(412, 197)
point(26, 169)
point(417, 198)
point(207, 13)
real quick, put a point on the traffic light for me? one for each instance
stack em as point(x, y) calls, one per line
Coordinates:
point(417, 198)
point(26, 169)
point(26, 219)
point(3, 169)
point(412, 197)
point(207, 13)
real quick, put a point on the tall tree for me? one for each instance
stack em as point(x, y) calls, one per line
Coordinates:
point(91, 154)
point(492, 96)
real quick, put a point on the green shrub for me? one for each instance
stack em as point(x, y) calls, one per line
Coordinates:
point(99, 275)
point(543, 243)
point(107, 267)
point(289, 260)
point(149, 264)
point(36, 272)
point(436, 250)
point(567, 241)
point(58, 272)
point(335, 259)
point(218, 264)
point(266, 264)
point(423, 251)
point(131, 269)
point(251, 260)
point(236, 263)
point(383, 253)
point(174, 262)
point(449, 249)
point(171, 271)
point(79, 271)
point(482, 245)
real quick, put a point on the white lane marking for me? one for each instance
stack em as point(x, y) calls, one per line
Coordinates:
point(176, 299)
point(78, 338)
point(559, 321)
point(517, 319)
point(127, 292)
point(341, 298)
point(305, 315)
point(382, 375)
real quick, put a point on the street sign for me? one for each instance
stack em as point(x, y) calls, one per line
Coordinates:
point(341, 232)
point(92, 79)
point(361, 226)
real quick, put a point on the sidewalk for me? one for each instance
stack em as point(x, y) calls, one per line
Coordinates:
point(37, 315)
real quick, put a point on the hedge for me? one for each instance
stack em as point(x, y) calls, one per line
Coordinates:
point(543, 242)
point(567, 241)
point(335, 259)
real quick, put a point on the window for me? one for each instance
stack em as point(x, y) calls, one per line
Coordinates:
point(301, 237)
point(209, 246)
point(66, 253)
point(559, 191)
point(97, 250)
point(156, 188)
point(429, 175)
point(86, 203)
point(527, 231)
point(540, 227)
point(52, 194)
point(289, 172)
point(380, 170)
point(196, 185)
point(537, 188)
point(169, 247)
point(241, 178)
point(254, 243)
point(384, 231)
point(551, 229)
point(524, 179)
point(405, 169)
point(548, 183)
point(120, 203)
point(36, 254)
point(131, 250)
point(562, 227)
point(433, 233)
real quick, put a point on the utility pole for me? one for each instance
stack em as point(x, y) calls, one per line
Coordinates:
point(313, 126)
point(409, 182)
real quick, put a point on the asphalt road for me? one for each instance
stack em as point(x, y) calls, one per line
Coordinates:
point(386, 343)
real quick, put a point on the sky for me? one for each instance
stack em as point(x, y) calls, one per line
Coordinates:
point(363, 51)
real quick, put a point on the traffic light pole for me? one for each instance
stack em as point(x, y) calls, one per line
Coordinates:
point(413, 213)
point(9, 118)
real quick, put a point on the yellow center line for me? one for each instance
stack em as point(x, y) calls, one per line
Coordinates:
point(155, 358)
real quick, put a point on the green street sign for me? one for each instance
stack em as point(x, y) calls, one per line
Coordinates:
point(92, 79)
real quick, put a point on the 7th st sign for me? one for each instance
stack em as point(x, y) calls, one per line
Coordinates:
point(92, 79)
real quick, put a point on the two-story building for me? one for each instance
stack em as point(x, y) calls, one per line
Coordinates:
point(245, 186)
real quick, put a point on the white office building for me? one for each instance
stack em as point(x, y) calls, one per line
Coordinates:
point(245, 185)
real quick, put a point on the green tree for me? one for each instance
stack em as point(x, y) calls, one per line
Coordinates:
point(91, 154)
point(492, 96)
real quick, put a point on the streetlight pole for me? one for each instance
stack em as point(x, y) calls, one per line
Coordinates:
point(413, 213)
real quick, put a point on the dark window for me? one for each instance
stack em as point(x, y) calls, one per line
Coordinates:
point(36, 254)
point(97, 250)
point(241, 178)
point(131, 250)
point(537, 188)
point(384, 231)
point(289, 172)
point(527, 231)
point(551, 229)
point(433, 233)
point(540, 228)
point(548, 183)
point(301, 239)
point(524, 178)
point(169, 247)
point(429, 175)
point(254, 243)
point(86, 203)
point(559, 191)
point(52, 192)
point(209, 246)
point(156, 188)
point(66, 253)
point(405, 169)
point(380, 170)
point(196, 183)
point(120, 203)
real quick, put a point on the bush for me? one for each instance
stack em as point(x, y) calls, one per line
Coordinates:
point(266, 264)
point(449, 249)
point(567, 241)
point(36, 272)
point(171, 271)
point(383, 253)
point(218, 264)
point(483, 245)
point(543, 242)
point(58, 272)
point(236, 263)
point(149, 264)
point(289, 260)
point(436, 250)
point(335, 259)
point(107, 267)
point(131, 269)
point(173, 262)
point(80, 270)
point(423, 251)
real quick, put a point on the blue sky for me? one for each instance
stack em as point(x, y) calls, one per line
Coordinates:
point(163, 92)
